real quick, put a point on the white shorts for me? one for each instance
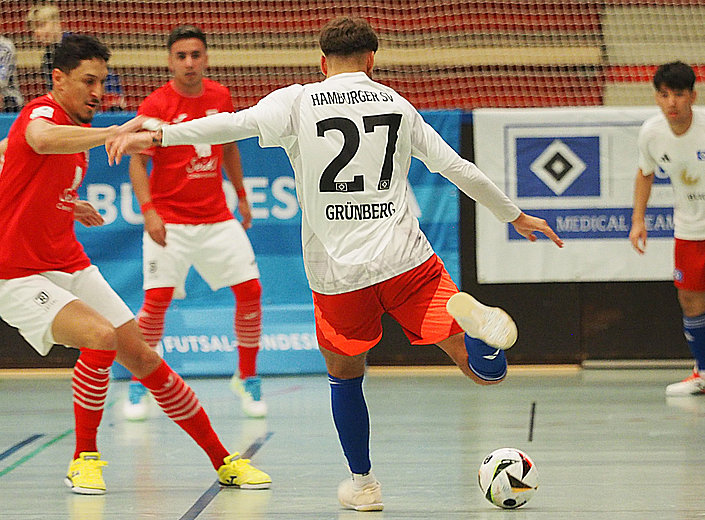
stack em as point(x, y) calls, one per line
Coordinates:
point(221, 253)
point(32, 302)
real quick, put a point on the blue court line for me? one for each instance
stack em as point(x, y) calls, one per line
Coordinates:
point(35, 452)
point(206, 498)
point(20, 445)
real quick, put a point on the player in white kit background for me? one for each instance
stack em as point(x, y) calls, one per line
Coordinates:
point(674, 141)
point(350, 141)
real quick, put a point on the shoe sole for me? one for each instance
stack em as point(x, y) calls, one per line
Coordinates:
point(83, 491)
point(252, 415)
point(379, 506)
point(264, 485)
point(489, 324)
point(684, 394)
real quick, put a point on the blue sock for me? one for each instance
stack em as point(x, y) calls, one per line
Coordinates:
point(694, 329)
point(352, 421)
point(488, 363)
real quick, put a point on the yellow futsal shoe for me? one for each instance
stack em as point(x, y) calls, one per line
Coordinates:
point(85, 475)
point(237, 472)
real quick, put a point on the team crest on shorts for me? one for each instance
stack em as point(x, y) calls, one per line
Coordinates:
point(678, 275)
point(41, 298)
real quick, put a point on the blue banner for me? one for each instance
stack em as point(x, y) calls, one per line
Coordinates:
point(199, 337)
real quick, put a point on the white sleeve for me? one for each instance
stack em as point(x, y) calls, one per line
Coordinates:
point(646, 163)
point(438, 156)
point(269, 120)
point(224, 127)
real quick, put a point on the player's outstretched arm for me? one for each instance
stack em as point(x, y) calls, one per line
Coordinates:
point(46, 137)
point(526, 226)
point(86, 214)
point(125, 144)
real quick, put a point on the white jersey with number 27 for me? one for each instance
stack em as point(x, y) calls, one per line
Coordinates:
point(350, 141)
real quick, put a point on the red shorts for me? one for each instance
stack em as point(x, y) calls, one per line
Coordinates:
point(689, 272)
point(350, 323)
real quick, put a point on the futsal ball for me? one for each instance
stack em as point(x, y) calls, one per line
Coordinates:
point(508, 478)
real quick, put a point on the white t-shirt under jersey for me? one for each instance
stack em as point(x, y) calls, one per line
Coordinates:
point(682, 157)
point(350, 141)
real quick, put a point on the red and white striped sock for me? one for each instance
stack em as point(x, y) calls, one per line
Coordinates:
point(248, 325)
point(180, 403)
point(150, 318)
point(91, 376)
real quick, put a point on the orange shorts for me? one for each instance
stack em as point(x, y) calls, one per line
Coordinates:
point(350, 323)
point(689, 272)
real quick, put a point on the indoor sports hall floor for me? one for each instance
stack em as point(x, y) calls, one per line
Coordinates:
point(607, 444)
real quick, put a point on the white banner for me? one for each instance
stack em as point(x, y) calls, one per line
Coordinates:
point(575, 167)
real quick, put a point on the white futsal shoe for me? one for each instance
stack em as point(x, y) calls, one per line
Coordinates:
point(691, 385)
point(137, 405)
point(361, 493)
point(250, 392)
point(489, 324)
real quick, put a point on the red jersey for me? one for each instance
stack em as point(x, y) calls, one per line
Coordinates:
point(186, 182)
point(37, 196)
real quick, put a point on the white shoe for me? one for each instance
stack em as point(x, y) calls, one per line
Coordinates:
point(136, 407)
point(692, 385)
point(250, 392)
point(489, 324)
point(354, 494)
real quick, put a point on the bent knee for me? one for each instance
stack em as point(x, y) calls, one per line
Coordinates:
point(145, 357)
point(104, 337)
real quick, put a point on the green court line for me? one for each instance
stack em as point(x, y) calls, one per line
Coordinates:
point(38, 450)
point(41, 448)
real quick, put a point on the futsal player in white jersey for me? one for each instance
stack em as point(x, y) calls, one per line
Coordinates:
point(350, 141)
point(674, 141)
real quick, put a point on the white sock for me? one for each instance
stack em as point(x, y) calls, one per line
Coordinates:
point(361, 481)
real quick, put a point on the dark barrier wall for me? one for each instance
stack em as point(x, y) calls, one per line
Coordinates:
point(558, 323)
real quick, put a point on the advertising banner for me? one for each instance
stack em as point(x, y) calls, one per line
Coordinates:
point(574, 167)
point(199, 337)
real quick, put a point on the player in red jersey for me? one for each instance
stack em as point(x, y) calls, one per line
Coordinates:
point(48, 288)
point(187, 221)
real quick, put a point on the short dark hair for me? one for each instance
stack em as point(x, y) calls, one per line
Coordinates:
point(183, 32)
point(676, 75)
point(75, 48)
point(346, 36)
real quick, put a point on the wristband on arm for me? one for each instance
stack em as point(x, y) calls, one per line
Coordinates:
point(144, 208)
point(157, 137)
point(241, 193)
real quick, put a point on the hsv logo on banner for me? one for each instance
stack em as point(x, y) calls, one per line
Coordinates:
point(560, 166)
